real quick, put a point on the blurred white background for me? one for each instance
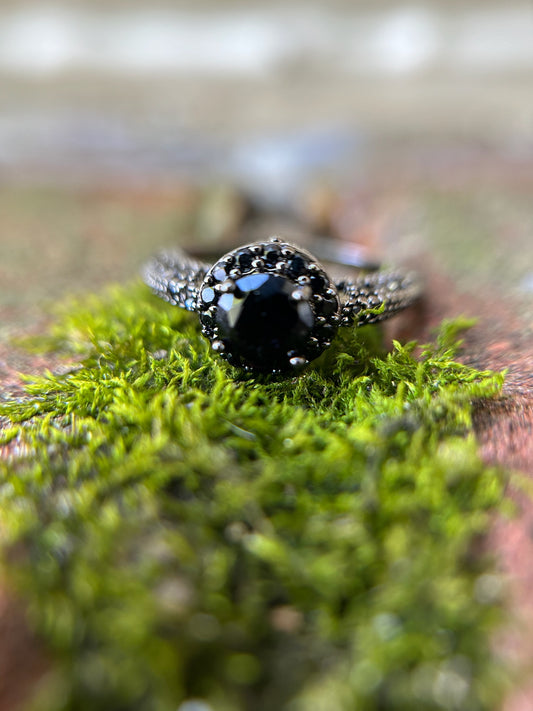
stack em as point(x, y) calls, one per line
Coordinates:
point(137, 90)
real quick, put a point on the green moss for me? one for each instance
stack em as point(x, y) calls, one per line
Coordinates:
point(260, 544)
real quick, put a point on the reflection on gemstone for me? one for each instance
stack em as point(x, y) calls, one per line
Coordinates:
point(208, 295)
point(251, 282)
point(305, 314)
point(226, 301)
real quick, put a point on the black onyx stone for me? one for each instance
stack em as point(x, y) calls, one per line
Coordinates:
point(260, 324)
point(245, 260)
point(327, 307)
point(297, 266)
point(272, 254)
point(318, 282)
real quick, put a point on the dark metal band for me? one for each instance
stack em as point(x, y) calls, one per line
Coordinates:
point(377, 296)
point(369, 298)
point(176, 277)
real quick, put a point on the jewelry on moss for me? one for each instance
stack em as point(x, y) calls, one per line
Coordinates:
point(270, 306)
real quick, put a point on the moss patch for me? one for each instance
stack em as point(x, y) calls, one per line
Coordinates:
point(300, 544)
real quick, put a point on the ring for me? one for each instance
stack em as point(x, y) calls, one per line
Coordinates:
point(270, 306)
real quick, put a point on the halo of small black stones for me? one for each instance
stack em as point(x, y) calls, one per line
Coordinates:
point(276, 257)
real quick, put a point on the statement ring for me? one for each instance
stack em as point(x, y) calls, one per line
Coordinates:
point(270, 306)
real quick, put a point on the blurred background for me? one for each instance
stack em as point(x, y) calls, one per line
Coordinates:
point(127, 91)
point(124, 125)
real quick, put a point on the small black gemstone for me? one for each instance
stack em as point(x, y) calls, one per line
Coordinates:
point(272, 255)
point(327, 308)
point(245, 260)
point(318, 283)
point(208, 295)
point(297, 266)
point(315, 349)
point(326, 329)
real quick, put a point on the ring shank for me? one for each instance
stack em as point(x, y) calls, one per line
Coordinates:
point(377, 296)
point(175, 277)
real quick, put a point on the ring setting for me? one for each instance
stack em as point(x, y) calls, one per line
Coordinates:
point(270, 306)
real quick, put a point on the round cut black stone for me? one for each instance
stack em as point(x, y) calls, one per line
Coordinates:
point(245, 260)
point(297, 266)
point(260, 324)
point(272, 254)
point(318, 282)
point(327, 307)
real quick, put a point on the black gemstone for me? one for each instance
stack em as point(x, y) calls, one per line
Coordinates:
point(245, 260)
point(297, 266)
point(260, 323)
point(318, 283)
point(327, 308)
point(272, 254)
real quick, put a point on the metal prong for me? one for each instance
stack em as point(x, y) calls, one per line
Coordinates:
point(298, 361)
point(303, 293)
point(227, 287)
